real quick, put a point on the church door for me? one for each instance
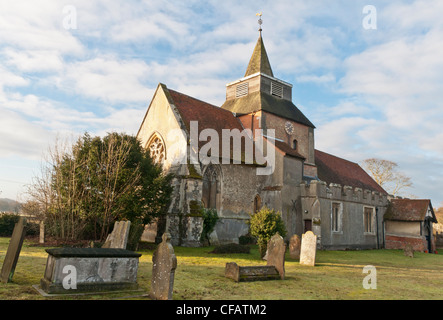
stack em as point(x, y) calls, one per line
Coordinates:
point(308, 225)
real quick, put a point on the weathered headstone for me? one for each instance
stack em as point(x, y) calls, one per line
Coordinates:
point(163, 270)
point(308, 249)
point(409, 251)
point(118, 238)
point(276, 254)
point(14, 248)
point(251, 273)
point(42, 232)
point(294, 247)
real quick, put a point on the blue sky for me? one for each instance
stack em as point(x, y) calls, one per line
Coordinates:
point(370, 93)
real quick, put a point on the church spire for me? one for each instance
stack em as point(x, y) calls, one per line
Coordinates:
point(259, 61)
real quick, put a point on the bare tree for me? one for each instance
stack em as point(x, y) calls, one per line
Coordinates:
point(438, 227)
point(385, 173)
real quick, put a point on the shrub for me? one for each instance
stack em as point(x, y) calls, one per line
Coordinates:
point(32, 229)
point(135, 233)
point(247, 239)
point(231, 248)
point(263, 225)
point(7, 223)
point(210, 219)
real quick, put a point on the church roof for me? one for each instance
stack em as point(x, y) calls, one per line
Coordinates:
point(261, 101)
point(207, 115)
point(332, 169)
point(259, 62)
point(409, 210)
point(287, 150)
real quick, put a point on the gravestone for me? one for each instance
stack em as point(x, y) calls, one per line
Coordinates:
point(276, 254)
point(251, 273)
point(14, 248)
point(294, 247)
point(118, 238)
point(164, 263)
point(308, 249)
point(409, 251)
point(89, 270)
point(42, 232)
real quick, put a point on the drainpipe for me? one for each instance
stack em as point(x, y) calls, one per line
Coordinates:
point(376, 219)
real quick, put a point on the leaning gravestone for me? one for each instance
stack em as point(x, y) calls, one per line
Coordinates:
point(308, 249)
point(294, 247)
point(409, 251)
point(15, 245)
point(163, 269)
point(276, 254)
point(118, 238)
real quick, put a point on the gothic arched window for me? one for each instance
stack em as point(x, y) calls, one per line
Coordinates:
point(157, 149)
point(211, 187)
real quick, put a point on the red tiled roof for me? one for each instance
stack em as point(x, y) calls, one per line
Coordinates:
point(284, 147)
point(208, 116)
point(408, 210)
point(332, 169)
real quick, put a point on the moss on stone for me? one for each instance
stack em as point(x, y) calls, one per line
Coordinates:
point(193, 174)
point(195, 209)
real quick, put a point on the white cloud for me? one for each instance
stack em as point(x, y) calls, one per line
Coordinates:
point(106, 78)
point(33, 60)
point(37, 27)
point(322, 79)
point(20, 137)
point(9, 79)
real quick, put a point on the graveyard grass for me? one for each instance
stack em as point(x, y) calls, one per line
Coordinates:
point(200, 275)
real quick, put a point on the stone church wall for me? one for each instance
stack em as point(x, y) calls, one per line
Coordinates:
point(317, 200)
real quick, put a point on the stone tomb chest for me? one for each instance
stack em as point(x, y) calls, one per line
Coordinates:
point(71, 270)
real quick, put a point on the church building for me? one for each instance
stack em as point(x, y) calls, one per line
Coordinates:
point(313, 190)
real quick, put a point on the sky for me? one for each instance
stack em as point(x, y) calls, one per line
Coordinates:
point(369, 78)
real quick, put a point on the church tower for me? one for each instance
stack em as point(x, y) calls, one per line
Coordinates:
point(261, 101)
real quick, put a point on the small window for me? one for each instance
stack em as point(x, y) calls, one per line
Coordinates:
point(336, 216)
point(276, 89)
point(294, 144)
point(368, 220)
point(242, 90)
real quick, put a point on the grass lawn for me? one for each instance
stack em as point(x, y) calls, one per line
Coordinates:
point(200, 275)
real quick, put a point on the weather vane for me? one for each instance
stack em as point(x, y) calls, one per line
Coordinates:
point(260, 21)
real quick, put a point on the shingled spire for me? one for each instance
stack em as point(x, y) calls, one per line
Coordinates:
point(259, 61)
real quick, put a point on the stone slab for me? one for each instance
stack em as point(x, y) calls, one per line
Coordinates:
point(75, 293)
point(96, 270)
point(251, 273)
point(92, 252)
